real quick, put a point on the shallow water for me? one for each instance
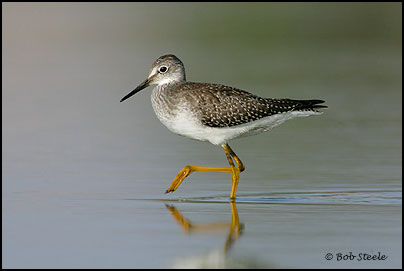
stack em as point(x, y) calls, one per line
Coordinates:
point(84, 175)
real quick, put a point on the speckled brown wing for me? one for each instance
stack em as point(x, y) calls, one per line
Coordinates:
point(222, 106)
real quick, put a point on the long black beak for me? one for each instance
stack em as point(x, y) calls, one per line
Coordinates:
point(143, 85)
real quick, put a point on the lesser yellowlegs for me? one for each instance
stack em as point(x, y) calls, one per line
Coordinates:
point(214, 113)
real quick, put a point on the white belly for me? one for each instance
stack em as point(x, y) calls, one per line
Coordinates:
point(185, 124)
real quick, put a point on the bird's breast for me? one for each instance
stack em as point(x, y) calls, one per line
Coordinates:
point(174, 112)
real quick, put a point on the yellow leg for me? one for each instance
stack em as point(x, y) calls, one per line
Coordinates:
point(240, 164)
point(235, 170)
point(187, 170)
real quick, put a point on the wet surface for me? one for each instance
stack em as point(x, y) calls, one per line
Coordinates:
point(84, 175)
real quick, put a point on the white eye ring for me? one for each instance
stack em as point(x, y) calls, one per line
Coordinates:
point(163, 69)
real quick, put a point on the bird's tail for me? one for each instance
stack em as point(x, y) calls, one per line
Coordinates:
point(309, 104)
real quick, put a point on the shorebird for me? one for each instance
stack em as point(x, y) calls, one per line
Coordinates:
point(214, 113)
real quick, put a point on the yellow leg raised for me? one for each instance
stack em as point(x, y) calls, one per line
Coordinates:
point(187, 170)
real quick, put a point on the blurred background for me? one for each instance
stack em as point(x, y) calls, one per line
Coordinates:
point(84, 175)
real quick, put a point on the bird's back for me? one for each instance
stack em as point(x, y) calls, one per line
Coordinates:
point(222, 106)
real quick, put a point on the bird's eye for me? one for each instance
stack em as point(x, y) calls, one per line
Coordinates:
point(163, 69)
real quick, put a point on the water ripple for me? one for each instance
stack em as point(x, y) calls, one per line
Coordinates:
point(323, 197)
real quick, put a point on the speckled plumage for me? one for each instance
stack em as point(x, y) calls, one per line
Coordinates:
point(223, 106)
point(214, 112)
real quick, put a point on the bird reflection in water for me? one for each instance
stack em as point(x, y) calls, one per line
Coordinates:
point(217, 258)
